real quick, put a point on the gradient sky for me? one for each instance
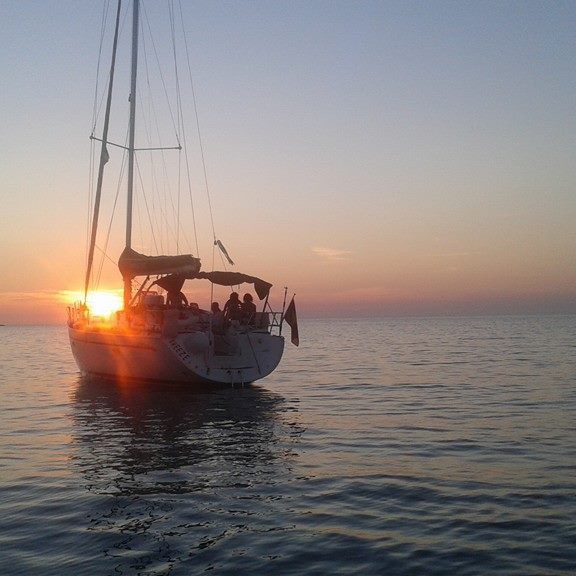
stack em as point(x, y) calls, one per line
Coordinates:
point(379, 158)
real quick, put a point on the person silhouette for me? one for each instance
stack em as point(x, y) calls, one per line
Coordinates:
point(176, 300)
point(248, 310)
point(217, 318)
point(232, 308)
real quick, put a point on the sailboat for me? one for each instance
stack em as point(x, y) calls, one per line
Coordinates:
point(157, 335)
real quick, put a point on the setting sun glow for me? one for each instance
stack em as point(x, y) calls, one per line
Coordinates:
point(101, 303)
point(104, 303)
point(430, 173)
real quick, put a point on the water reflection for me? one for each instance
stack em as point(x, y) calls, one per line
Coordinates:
point(175, 476)
point(135, 431)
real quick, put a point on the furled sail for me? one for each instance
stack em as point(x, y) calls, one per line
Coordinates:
point(132, 263)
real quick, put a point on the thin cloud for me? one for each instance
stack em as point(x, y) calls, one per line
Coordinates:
point(41, 295)
point(331, 254)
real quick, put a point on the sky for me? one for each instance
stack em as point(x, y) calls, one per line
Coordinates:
point(378, 158)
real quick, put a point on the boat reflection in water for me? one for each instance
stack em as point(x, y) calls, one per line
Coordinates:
point(173, 477)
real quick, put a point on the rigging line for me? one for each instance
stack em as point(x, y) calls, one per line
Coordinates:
point(104, 255)
point(179, 125)
point(90, 198)
point(118, 187)
point(146, 203)
point(161, 215)
point(103, 96)
point(152, 128)
point(147, 102)
point(160, 71)
point(181, 229)
point(174, 123)
point(180, 122)
point(95, 106)
point(179, 187)
point(139, 229)
point(189, 180)
point(103, 158)
point(168, 192)
point(137, 212)
point(223, 260)
point(187, 162)
point(143, 242)
point(212, 283)
point(166, 198)
point(197, 121)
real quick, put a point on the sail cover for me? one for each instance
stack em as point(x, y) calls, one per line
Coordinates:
point(174, 282)
point(132, 264)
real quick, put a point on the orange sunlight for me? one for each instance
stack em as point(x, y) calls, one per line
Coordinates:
point(101, 303)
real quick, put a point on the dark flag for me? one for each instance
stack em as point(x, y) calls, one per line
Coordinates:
point(292, 321)
point(224, 251)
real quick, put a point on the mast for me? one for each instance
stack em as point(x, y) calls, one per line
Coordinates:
point(131, 148)
point(103, 158)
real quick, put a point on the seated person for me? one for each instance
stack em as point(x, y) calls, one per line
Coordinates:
point(248, 310)
point(176, 300)
point(232, 308)
point(217, 318)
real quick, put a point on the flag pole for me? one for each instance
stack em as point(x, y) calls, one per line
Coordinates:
point(264, 311)
point(291, 319)
point(283, 309)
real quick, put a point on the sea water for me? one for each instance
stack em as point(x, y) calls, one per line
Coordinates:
point(380, 446)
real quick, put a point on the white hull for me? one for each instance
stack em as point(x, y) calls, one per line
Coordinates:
point(186, 357)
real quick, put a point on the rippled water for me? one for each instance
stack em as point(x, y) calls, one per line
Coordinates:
point(413, 446)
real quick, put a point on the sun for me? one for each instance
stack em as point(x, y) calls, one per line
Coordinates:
point(104, 303)
point(101, 303)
